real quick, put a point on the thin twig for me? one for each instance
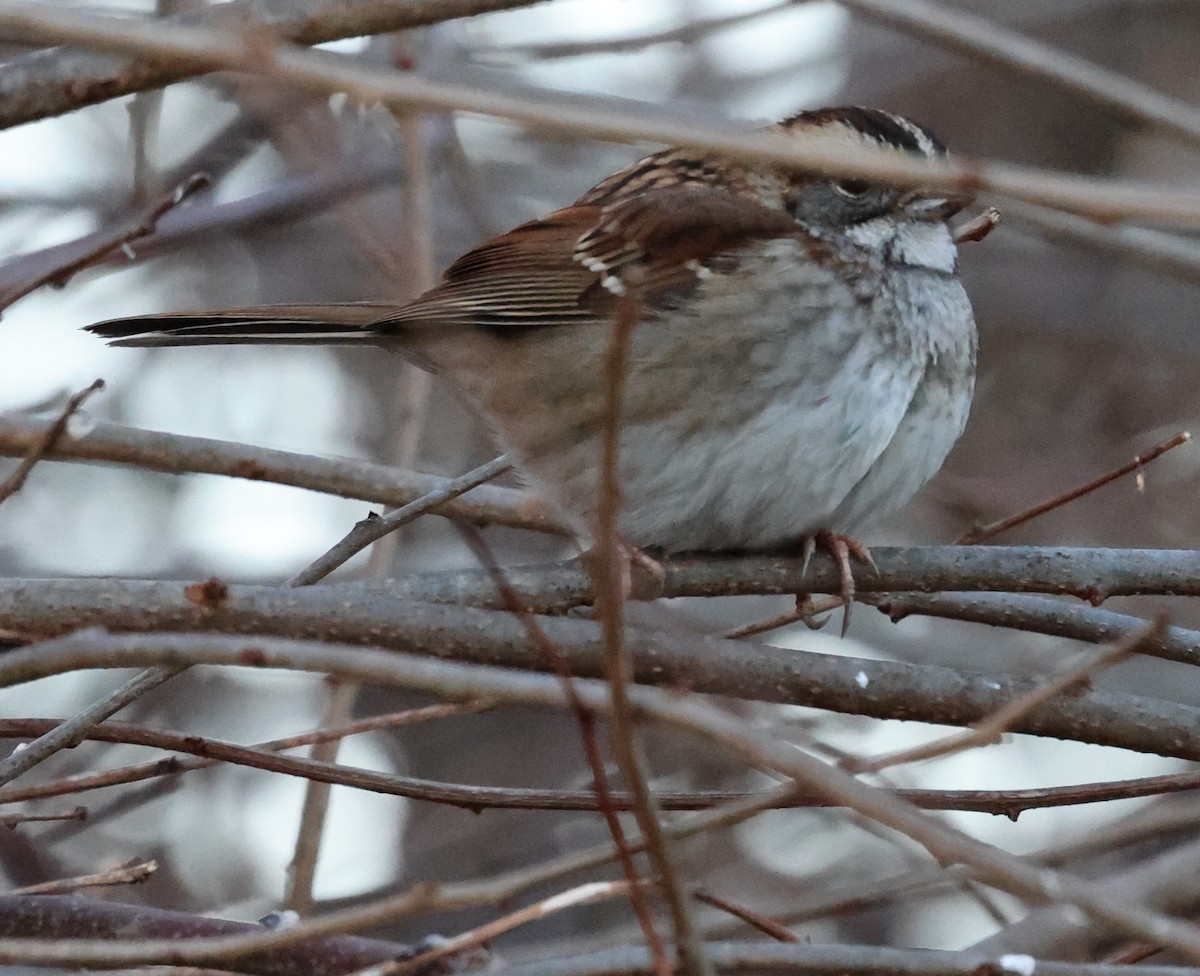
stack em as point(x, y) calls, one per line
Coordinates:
point(990, 729)
point(11, 820)
point(303, 869)
point(585, 718)
point(993, 529)
point(585, 894)
point(134, 874)
point(978, 227)
point(210, 751)
point(985, 40)
point(71, 731)
point(46, 441)
point(618, 666)
point(120, 237)
point(1006, 803)
point(764, 924)
point(375, 527)
point(689, 33)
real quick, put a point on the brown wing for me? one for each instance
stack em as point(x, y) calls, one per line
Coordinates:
point(571, 266)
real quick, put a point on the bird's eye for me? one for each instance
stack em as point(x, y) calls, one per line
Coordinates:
point(852, 189)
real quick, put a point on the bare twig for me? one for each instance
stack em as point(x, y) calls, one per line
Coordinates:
point(50, 920)
point(348, 478)
point(1007, 803)
point(766, 925)
point(70, 732)
point(985, 40)
point(210, 751)
point(585, 718)
point(375, 527)
point(689, 33)
point(134, 874)
point(583, 895)
point(46, 441)
point(978, 227)
point(12, 820)
point(990, 729)
point(1169, 254)
point(102, 245)
point(612, 572)
point(993, 529)
point(303, 869)
point(1041, 615)
point(291, 199)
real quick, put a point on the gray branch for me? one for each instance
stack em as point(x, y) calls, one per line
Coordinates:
point(58, 80)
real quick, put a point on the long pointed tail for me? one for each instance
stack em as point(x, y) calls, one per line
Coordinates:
point(337, 324)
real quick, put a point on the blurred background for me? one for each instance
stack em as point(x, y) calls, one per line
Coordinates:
point(1088, 356)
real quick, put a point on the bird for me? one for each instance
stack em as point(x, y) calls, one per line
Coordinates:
point(801, 360)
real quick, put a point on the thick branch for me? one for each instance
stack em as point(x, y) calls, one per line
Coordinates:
point(881, 689)
point(47, 917)
point(60, 80)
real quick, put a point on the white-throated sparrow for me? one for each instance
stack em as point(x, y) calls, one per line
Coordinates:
point(804, 356)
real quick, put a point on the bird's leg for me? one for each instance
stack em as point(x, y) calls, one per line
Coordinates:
point(842, 548)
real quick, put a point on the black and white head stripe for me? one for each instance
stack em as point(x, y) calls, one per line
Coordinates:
point(882, 127)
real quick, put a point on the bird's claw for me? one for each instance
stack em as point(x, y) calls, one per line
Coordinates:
point(842, 548)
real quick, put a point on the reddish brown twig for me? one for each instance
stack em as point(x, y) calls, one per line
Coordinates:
point(992, 727)
point(985, 532)
point(15, 481)
point(764, 923)
point(585, 718)
point(978, 227)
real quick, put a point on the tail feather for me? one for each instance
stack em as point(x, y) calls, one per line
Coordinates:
point(347, 324)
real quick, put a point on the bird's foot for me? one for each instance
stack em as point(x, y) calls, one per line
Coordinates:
point(842, 548)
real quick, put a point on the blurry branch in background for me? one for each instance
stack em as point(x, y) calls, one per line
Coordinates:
point(985, 40)
point(993, 529)
point(48, 83)
point(62, 263)
point(11, 820)
point(134, 874)
point(71, 732)
point(1164, 253)
point(211, 49)
point(56, 919)
point(45, 441)
point(206, 751)
point(290, 200)
point(689, 33)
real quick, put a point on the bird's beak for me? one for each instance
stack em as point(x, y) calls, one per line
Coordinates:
point(932, 205)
